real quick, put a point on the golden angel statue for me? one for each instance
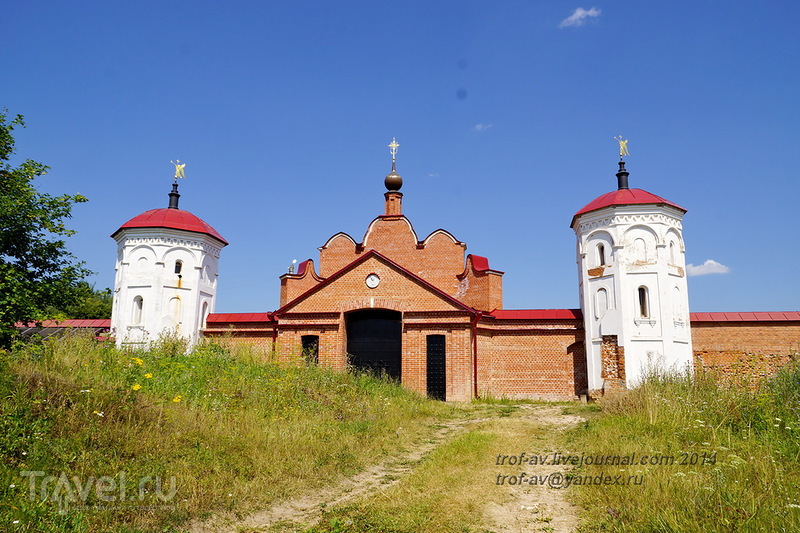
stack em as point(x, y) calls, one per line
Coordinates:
point(179, 173)
point(623, 146)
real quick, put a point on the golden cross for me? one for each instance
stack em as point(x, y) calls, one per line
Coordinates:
point(623, 146)
point(393, 148)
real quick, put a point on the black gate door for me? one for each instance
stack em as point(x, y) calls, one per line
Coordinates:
point(437, 374)
point(374, 341)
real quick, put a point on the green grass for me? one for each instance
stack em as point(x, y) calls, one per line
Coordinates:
point(454, 488)
point(438, 496)
point(234, 433)
point(740, 448)
point(237, 434)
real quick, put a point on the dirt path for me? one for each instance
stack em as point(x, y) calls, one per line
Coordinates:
point(537, 508)
point(529, 509)
point(306, 509)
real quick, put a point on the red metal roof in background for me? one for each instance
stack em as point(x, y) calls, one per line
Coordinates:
point(507, 314)
point(238, 317)
point(761, 316)
point(537, 314)
point(171, 218)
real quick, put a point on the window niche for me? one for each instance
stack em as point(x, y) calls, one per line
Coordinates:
point(601, 303)
point(138, 306)
point(644, 302)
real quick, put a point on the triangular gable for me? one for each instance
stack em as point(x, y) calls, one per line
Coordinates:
point(373, 255)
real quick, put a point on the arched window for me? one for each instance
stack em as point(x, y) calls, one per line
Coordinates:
point(677, 305)
point(204, 314)
point(601, 255)
point(601, 305)
point(138, 305)
point(142, 268)
point(175, 308)
point(178, 267)
point(672, 252)
point(640, 249)
point(644, 303)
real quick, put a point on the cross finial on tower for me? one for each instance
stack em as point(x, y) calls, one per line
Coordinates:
point(623, 146)
point(393, 146)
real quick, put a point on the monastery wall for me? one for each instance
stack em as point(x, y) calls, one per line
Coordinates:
point(744, 350)
point(543, 360)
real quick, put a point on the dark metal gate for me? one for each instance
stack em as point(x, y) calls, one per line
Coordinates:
point(374, 341)
point(437, 365)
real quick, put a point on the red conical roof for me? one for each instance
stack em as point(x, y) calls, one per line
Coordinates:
point(173, 219)
point(625, 197)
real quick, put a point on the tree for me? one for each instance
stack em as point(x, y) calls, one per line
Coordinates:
point(87, 303)
point(36, 269)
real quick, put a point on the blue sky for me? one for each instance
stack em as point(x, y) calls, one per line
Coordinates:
point(505, 112)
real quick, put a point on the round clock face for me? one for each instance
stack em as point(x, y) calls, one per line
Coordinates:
point(372, 281)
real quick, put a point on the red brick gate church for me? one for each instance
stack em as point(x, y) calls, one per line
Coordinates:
point(428, 314)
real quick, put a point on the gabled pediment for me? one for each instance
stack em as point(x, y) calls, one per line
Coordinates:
point(391, 286)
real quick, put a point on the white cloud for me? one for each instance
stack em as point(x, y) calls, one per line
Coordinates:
point(482, 127)
point(709, 267)
point(433, 175)
point(579, 17)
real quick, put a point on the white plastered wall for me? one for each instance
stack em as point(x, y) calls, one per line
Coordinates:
point(171, 302)
point(647, 251)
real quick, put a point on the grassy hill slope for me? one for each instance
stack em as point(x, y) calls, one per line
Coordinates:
point(94, 439)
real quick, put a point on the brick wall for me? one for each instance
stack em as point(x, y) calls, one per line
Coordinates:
point(612, 359)
point(775, 337)
point(515, 358)
point(481, 289)
point(439, 259)
point(743, 350)
point(531, 359)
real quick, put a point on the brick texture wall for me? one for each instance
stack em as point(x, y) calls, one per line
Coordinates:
point(515, 358)
point(531, 359)
point(612, 360)
point(744, 351)
point(439, 259)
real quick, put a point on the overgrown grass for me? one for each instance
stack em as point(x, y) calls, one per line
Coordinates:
point(439, 496)
point(455, 488)
point(735, 453)
point(447, 492)
point(233, 433)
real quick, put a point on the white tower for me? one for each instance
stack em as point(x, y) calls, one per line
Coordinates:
point(632, 272)
point(166, 275)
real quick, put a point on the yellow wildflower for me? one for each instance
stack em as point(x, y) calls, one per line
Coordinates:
point(177, 398)
point(136, 387)
point(148, 375)
point(137, 361)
